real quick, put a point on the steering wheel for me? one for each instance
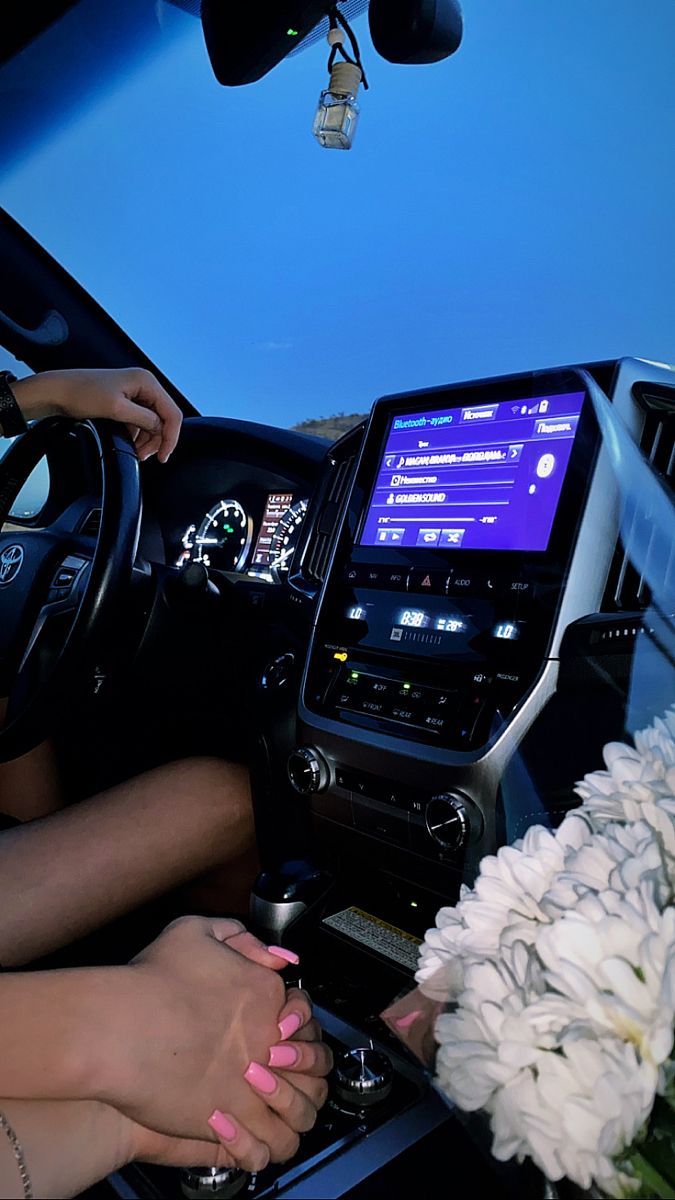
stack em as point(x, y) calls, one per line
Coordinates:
point(56, 580)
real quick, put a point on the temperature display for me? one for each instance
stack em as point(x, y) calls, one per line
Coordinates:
point(450, 624)
point(507, 631)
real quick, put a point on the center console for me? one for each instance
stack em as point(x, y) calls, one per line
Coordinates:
point(480, 524)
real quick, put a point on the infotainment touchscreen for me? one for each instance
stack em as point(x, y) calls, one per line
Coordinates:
point(478, 477)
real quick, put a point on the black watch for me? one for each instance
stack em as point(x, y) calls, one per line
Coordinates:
point(12, 420)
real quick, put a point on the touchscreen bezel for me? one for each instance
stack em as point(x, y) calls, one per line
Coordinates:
point(524, 387)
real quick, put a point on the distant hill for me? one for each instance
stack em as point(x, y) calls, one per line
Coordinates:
point(330, 427)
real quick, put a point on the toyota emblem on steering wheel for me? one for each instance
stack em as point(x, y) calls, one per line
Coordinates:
point(11, 561)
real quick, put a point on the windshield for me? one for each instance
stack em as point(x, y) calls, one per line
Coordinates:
point(508, 208)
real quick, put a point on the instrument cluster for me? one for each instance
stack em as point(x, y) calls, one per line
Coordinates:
point(224, 539)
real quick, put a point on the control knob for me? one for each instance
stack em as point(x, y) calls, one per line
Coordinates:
point(308, 771)
point(363, 1077)
point(220, 1182)
point(278, 672)
point(448, 820)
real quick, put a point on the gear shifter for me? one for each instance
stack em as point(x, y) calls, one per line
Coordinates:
point(289, 900)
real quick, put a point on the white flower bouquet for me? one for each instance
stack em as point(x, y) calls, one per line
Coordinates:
point(558, 969)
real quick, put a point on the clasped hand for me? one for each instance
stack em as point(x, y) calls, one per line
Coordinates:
point(220, 1065)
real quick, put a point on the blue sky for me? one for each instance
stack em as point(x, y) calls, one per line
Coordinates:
point(509, 208)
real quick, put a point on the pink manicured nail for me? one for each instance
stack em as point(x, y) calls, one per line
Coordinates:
point(283, 1056)
point(282, 952)
point(290, 1025)
point(222, 1125)
point(406, 1021)
point(262, 1079)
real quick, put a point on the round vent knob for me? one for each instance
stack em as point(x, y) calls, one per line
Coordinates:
point(308, 771)
point(363, 1077)
point(448, 821)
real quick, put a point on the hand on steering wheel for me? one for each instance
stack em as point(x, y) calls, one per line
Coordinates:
point(58, 576)
point(132, 396)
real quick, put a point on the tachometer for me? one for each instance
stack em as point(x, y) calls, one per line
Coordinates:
point(223, 538)
point(284, 541)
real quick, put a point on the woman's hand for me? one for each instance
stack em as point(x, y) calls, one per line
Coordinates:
point(69, 1145)
point(185, 1038)
point(132, 396)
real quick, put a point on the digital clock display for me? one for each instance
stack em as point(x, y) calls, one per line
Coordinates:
point(416, 617)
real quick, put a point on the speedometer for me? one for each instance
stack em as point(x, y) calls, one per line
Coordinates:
point(284, 540)
point(223, 537)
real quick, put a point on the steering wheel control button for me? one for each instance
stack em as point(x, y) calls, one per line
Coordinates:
point(447, 821)
point(65, 578)
point(363, 1078)
point(68, 572)
point(308, 771)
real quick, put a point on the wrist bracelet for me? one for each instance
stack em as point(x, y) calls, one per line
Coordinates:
point(12, 419)
point(18, 1154)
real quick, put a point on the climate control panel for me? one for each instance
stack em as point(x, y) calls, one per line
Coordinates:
point(436, 824)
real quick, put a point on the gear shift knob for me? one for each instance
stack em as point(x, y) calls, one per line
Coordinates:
point(289, 897)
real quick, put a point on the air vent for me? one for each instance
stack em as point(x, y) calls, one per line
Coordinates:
point(627, 591)
point(342, 459)
point(91, 524)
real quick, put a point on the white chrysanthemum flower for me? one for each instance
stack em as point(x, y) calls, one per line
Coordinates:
point(639, 783)
point(656, 744)
point(614, 796)
point(486, 1042)
point(574, 1110)
point(562, 963)
point(620, 859)
point(439, 974)
point(627, 774)
point(507, 892)
point(567, 1100)
point(612, 961)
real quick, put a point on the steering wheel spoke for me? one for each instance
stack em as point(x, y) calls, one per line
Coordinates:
point(60, 589)
point(63, 600)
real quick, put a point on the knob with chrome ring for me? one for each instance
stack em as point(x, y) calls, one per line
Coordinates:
point(308, 771)
point(447, 820)
point(363, 1077)
point(222, 1183)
